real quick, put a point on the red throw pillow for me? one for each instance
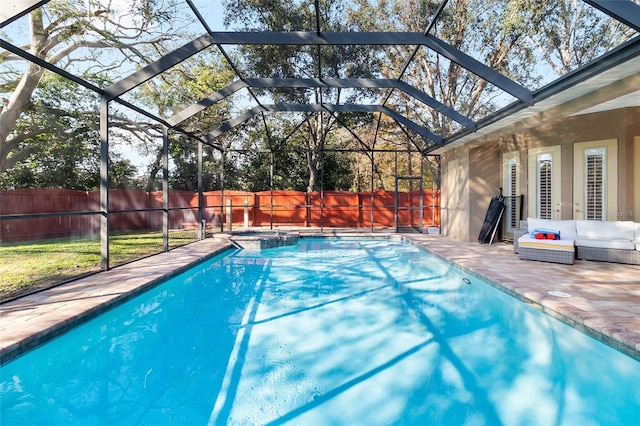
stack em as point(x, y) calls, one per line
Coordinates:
point(540, 236)
point(551, 236)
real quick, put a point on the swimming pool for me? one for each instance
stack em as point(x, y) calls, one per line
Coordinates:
point(330, 331)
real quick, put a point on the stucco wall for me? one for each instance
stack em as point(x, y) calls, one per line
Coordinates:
point(484, 182)
point(620, 125)
point(478, 168)
point(454, 208)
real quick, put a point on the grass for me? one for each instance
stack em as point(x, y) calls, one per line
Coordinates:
point(32, 265)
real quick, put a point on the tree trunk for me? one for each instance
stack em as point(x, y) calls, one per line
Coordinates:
point(21, 96)
point(156, 166)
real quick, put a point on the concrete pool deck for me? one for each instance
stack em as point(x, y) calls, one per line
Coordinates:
point(604, 297)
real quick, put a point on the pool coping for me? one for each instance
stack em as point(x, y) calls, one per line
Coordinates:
point(34, 319)
point(580, 311)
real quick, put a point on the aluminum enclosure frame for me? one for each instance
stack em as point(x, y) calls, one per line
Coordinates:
point(625, 11)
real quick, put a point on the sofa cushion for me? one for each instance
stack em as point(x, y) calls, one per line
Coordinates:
point(606, 230)
point(604, 243)
point(564, 244)
point(567, 228)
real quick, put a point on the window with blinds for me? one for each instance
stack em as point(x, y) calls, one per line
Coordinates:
point(544, 186)
point(594, 184)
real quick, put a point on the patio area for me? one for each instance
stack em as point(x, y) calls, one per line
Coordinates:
point(604, 297)
point(601, 299)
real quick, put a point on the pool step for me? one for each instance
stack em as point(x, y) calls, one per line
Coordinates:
point(256, 241)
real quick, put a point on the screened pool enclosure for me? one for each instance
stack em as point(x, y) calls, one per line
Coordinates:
point(164, 121)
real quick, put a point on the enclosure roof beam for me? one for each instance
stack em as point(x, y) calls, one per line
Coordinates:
point(206, 102)
point(159, 66)
point(344, 125)
point(421, 149)
point(295, 129)
point(235, 122)
point(50, 67)
point(435, 104)
point(423, 131)
point(432, 23)
point(378, 38)
point(625, 11)
point(199, 16)
point(478, 68)
point(321, 38)
point(226, 56)
point(592, 70)
point(253, 38)
point(363, 83)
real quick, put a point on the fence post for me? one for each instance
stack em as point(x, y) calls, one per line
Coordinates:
point(246, 213)
point(229, 215)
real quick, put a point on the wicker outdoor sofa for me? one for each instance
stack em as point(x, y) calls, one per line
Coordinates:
point(605, 241)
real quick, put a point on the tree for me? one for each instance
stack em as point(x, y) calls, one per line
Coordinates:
point(261, 150)
point(575, 34)
point(284, 150)
point(68, 140)
point(122, 173)
point(197, 79)
point(509, 37)
point(305, 61)
point(491, 31)
point(72, 37)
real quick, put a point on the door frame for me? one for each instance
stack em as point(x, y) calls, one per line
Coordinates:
point(610, 147)
point(556, 180)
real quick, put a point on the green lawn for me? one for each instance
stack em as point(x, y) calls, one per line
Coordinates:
point(32, 265)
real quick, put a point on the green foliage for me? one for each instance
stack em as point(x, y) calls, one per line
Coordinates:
point(121, 174)
point(337, 168)
point(289, 161)
point(44, 115)
point(54, 141)
point(184, 85)
point(66, 148)
point(183, 169)
point(303, 61)
point(188, 83)
point(289, 171)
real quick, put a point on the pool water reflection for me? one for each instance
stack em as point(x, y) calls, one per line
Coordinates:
point(330, 331)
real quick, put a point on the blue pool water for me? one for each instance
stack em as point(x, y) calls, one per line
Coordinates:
point(328, 332)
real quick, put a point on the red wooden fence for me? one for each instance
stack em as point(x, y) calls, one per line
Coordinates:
point(294, 208)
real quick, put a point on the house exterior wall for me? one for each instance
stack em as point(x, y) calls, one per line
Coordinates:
point(482, 167)
point(482, 185)
point(454, 205)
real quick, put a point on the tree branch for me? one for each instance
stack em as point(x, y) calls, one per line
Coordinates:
point(8, 162)
point(12, 143)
